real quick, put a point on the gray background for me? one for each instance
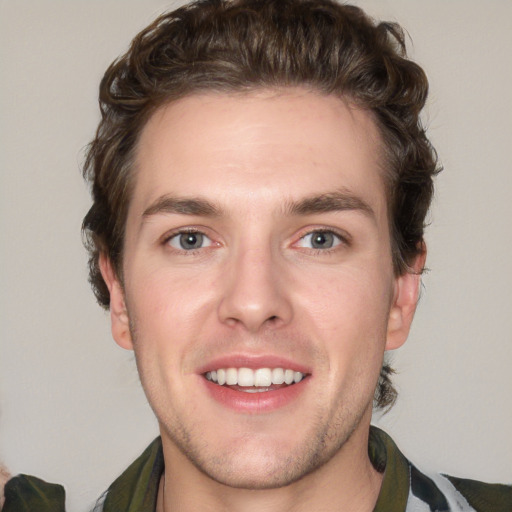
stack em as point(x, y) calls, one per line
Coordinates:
point(71, 407)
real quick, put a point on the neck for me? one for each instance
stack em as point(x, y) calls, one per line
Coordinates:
point(348, 481)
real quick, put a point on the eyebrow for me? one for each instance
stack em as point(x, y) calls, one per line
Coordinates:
point(329, 202)
point(183, 206)
point(323, 203)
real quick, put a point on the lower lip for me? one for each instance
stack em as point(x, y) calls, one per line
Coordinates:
point(254, 403)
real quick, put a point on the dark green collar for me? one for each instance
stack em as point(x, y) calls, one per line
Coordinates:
point(136, 490)
point(386, 457)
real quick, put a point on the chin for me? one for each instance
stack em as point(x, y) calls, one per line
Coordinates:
point(257, 474)
point(266, 465)
point(255, 455)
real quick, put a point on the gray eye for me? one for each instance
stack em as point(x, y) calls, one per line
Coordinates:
point(189, 241)
point(320, 240)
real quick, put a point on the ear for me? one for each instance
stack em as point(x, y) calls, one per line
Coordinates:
point(119, 319)
point(406, 295)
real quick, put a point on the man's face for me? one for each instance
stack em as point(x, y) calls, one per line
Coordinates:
point(257, 249)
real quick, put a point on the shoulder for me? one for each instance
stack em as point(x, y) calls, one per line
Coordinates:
point(447, 493)
point(408, 489)
point(483, 497)
point(136, 488)
point(28, 493)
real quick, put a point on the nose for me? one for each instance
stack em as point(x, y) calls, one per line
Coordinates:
point(255, 294)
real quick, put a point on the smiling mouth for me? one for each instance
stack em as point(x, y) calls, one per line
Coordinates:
point(255, 381)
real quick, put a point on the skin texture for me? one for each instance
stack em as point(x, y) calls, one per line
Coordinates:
point(257, 287)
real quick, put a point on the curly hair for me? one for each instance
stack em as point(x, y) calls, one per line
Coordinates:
point(244, 45)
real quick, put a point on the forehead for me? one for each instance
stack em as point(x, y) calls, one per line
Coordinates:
point(258, 149)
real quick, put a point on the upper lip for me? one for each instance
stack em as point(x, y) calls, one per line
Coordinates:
point(254, 362)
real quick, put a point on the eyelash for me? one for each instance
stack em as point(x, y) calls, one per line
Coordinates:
point(184, 231)
point(343, 239)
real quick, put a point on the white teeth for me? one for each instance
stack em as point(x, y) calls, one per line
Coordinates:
point(288, 376)
point(263, 377)
point(278, 376)
point(260, 378)
point(245, 377)
point(231, 377)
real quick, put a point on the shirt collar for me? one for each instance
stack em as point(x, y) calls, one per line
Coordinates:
point(136, 490)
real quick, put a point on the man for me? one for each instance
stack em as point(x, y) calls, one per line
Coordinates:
point(260, 180)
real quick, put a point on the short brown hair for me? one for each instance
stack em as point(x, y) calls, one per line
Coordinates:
point(242, 45)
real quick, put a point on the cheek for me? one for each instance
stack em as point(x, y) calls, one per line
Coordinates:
point(349, 314)
point(346, 298)
point(170, 294)
point(168, 311)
